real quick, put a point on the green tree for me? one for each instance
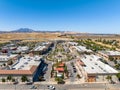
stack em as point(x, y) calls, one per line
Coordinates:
point(117, 66)
point(78, 76)
point(118, 76)
point(115, 61)
point(10, 62)
point(65, 69)
point(9, 77)
point(62, 76)
point(111, 58)
point(13, 80)
point(72, 37)
point(60, 80)
point(3, 80)
point(104, 41)
point(109, 78)
point(24, 78)
point(41, 78)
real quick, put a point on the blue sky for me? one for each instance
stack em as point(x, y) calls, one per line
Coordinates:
point(94, 16)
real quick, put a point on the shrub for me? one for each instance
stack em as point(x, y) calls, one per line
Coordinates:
point(118, 76)
point(78, 76)
point(9, 77)
point(109, 77)
point(24, 78)
point(3, 80)
point(13, 80)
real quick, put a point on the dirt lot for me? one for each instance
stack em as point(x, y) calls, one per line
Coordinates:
point(6, 37)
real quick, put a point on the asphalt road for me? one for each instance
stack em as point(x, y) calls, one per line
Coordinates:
point(86, 86)
point(48, 71)
point(73, 76)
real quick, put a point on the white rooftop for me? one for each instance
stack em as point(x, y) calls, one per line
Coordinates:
point(23, 48)
point(94, 65)
point(73, 43)
point(26, 62)
point(45, 43)
point(111, 52)
point(82, 49)
point(39, 48)
point(6, 57)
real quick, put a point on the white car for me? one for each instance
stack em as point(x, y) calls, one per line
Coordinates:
point(51, 87)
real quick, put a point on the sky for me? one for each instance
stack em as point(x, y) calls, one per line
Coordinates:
point(92, 16)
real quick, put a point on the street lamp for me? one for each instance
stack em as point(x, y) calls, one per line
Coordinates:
point(106, 86)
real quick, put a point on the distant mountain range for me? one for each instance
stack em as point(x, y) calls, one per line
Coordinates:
point(23, 30)
point(28, 30)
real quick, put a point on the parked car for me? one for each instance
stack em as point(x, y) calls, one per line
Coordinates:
point(74, 68)
point(33, 87)
point(112, 82)
point(51, 87)
point(71, 75)
point(75, 71)
point(29, 83)
point(16, 82)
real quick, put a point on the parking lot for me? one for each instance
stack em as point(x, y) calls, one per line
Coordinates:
point(72, 74)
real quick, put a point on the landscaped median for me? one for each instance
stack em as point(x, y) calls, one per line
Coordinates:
point(59, 72)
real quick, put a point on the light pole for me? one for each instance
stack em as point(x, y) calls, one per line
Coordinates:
point(44, 87)
point(15, 86)
point(106, 86)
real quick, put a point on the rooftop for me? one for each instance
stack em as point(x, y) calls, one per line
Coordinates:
point(95, 66)
point(82, 49)
point(7, 57)
point(60, 69)
point(61, 65)
point(39, 48)
point(19, 72)
point(24, 66)
point(73, 43)
point(26, 62)
point(23, 48)
point(110, 53)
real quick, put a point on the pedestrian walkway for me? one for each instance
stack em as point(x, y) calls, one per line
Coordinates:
point(24, 89)
point(49, 82)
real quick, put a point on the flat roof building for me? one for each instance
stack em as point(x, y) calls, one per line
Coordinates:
point(94, 67)
point(42, 48)
point(115, 55)
point(4, 58)
point(39, 48)
point(73, 43)
point(82, 49)
point(27, 65)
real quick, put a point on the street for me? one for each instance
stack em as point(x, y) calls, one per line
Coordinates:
point(85, 86)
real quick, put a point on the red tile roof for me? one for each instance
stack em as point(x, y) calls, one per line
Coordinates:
point(60, 69)
point(19, 72)
point(61, 65)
